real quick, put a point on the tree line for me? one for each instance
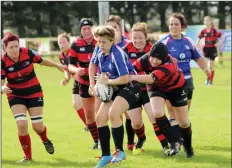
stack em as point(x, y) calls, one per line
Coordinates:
point(48, 18)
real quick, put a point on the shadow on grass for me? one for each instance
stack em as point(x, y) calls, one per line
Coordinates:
point(216, 148)
point(216, 159)
point(59, 162)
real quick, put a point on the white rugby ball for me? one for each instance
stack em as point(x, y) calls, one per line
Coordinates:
point(104, 91)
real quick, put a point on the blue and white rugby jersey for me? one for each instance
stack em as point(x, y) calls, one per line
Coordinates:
point(123, 43)
point(183, 50)
point(115, 64)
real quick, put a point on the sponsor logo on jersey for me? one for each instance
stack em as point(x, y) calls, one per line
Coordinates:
point(182, 56)
point(82, 49)
point(133, 55)
point(11, 69)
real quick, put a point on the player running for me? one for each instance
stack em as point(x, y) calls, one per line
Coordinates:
point(24, 92)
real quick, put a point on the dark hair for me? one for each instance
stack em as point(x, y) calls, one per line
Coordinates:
point(113, 18)
point(85, 21)
point(9, 37)
point(160, 51)
point(181, 18)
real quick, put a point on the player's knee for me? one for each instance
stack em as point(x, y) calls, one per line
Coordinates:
point(21, 121)
point(158, 113)
point(77, 105)
point(114, 115)
point(184, 123)
point(37, 123)
point(137, 124)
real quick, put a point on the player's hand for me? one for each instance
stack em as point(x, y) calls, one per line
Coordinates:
point(64, 82)
point(92, 90)
point(103, 79)
point(6, 90)
point(80, 71)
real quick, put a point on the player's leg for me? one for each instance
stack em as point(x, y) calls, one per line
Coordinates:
point(213, 54)
point(76, 101)
point(160, 136)
point(115, 114)
point(130, 133)
point(178, 99)
point(88, 104)
point(139, 129)
point(102, 118)
point(157, 100)
point(35, 109)
point(19, 109)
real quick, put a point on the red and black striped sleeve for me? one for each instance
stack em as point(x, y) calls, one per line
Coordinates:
point(160, 73)
point(35, 57)
point(3, 70)
point(142, 64)
point(201, 35)
point(72, 55)
point(218, 34)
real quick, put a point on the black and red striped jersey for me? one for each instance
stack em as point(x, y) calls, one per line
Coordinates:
point(63, 58)
point(21, 77)
point(210, 36)
point(133, 53)
point(167, 76)
point(80, 55)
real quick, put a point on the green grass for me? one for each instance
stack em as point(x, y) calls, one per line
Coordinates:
point(210, 116)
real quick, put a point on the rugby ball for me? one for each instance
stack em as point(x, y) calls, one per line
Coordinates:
point(104, 92)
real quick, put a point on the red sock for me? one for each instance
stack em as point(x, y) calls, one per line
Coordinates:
point(43, 135)
point(162, 139)
point(81, 114)
point(140, 133)
point(211, 77)
point(93, 131)
point(26, 145)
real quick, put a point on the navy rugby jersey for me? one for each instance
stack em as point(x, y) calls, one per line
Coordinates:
point(184, 50)
point(123, 43)
point(115, 64)
point(21, 77)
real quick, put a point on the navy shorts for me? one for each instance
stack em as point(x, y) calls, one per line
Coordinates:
point(28, 102)
point(189, 87)
point(131, 93)
point(177, 97)
point(210, 52)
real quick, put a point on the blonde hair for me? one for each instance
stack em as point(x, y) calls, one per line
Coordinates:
point(102, 31)
point(211, 19)
point(140, 26)
point(65, 35)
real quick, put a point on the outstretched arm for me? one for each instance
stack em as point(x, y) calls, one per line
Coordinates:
point(147, 79)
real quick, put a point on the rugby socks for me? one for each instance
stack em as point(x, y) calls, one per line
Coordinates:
point(140, 133)
point(81, 114)
point(93, 131)
point(25, 142)
point(43, 135)
point(130, 132)
point(162, 139)
point(118, 136)
point(186, 133)
point(166, 128)
point(211, 77)
point(175, 128)
point(104, 136)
